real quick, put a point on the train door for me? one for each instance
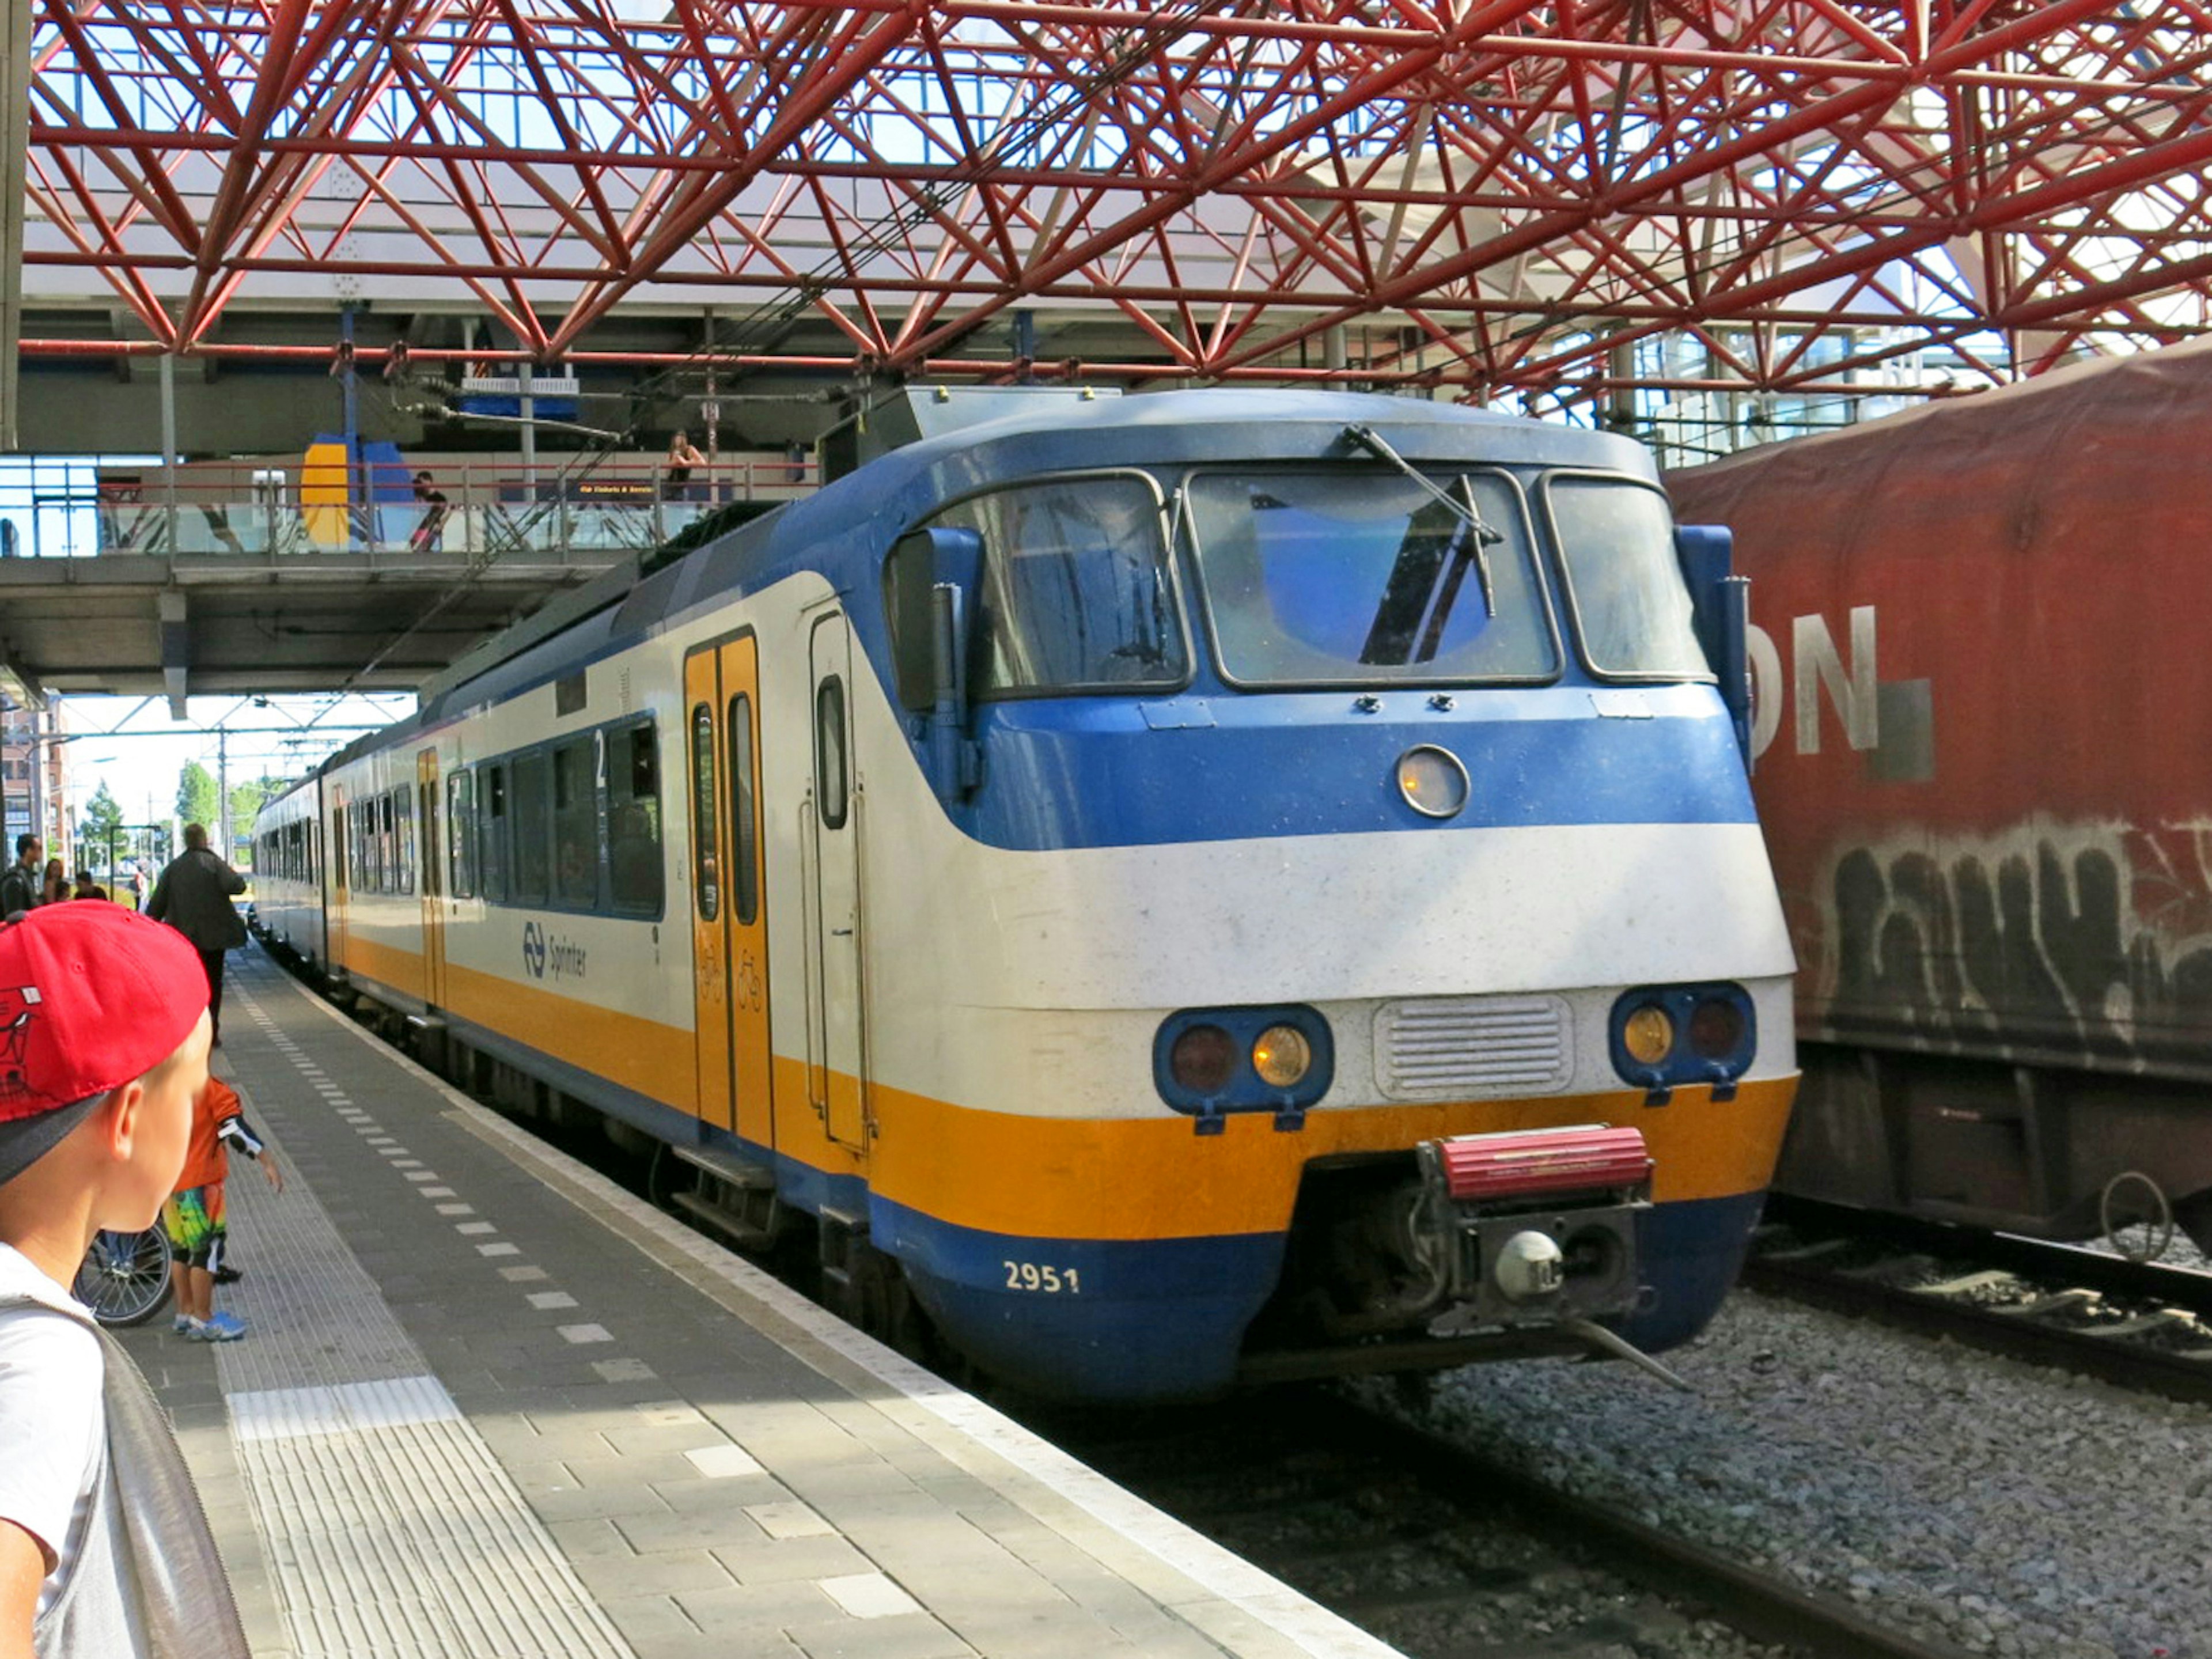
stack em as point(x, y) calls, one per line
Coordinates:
point(430, 886)
point(338, 866)
point(831, 835)
point(729, 920)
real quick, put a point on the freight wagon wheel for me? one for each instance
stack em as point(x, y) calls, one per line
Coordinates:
point(2137, 1220)
point(125, 1278)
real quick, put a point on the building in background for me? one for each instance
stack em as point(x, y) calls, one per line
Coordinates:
point(34, 778)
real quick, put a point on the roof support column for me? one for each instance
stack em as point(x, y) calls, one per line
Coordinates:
point(176, 648)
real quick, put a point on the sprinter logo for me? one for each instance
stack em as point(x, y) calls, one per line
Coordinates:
point(545, 954)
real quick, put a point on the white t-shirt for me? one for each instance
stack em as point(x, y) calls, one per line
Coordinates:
point(53, 1417)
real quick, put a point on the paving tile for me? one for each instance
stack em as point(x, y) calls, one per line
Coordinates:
point(665, 1573)
point(778, 1560)
point(917, 1636)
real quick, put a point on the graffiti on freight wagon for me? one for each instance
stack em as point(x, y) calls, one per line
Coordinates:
point(2086, 943)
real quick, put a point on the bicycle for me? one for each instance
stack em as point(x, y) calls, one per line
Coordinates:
point(124, 1277)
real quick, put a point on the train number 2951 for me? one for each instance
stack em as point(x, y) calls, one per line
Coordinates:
point(1029, 1276)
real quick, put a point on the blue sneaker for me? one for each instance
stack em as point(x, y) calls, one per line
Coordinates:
point(223, 1327)
point(182, 1325)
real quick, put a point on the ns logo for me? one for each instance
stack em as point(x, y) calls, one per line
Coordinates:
point(1893, 722)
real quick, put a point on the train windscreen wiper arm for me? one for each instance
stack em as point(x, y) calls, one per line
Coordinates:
point(1367, 437)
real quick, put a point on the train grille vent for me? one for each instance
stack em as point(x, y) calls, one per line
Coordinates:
point(1473, 1047)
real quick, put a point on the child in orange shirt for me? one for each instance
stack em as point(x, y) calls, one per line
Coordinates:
point(193, 1217)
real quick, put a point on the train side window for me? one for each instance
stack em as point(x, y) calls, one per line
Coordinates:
point(491, 838)
point(576, 822)
point(633, 820)
point(830, 776)
point(338, 841)
point(403, 842)
point(744, 787)
point(379, 843)
point(531, 810)
point(706, 882)
point(461, 834)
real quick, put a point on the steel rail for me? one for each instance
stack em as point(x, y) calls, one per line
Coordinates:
point(2015, 1335)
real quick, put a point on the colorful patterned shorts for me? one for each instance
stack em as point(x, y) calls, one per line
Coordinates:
point(193, 1219)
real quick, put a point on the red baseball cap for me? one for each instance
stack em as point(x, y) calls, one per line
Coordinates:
point(92, 996)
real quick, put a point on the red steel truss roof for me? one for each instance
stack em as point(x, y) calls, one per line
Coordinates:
point(1490, 194)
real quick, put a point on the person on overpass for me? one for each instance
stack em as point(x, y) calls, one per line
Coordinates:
point(193, 896)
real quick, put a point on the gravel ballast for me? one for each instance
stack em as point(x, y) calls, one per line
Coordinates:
point(2007, 1508)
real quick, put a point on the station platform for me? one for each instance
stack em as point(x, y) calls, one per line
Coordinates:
point(492, 1404)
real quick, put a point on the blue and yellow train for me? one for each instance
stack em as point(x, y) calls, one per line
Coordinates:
point(1169, 889)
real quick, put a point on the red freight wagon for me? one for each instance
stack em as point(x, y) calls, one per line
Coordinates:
point(1982, 660)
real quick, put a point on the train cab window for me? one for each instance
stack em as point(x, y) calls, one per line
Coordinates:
point(706, 881)
point(533, 812)
point(1348, 575)
point(1631, 605)
point(491, 834)
point(461, 835)
point(402, 839)
point(633, 875)
point(832, 778)
point(576, 822)
point(1075, 593)
point(743, 787)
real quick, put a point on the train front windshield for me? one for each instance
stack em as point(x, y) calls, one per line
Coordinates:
point(1349, 576)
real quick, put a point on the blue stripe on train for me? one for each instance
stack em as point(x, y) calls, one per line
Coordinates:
point(1092, 772)
point(1154, 1320)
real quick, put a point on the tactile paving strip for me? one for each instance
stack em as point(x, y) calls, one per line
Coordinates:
point(392, 1530)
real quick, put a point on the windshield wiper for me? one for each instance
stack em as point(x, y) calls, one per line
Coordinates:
point(1483, 538)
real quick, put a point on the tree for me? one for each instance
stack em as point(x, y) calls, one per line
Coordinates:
point(198, 800)
point(247, 801)
point(100, 828)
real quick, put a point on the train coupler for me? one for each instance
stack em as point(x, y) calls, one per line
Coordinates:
point(1531, 1227)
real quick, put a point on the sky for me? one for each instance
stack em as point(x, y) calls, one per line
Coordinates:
point(133, 744)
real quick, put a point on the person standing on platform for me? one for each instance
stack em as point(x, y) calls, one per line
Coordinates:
point(193, 896)
point(105, 1549)
point(56, 886)
point(429, 535)
point(683, 456)
point(19, 883)
point(193, 1216)
point(86, 887)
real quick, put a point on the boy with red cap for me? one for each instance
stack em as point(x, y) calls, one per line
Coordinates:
point(103, 1549)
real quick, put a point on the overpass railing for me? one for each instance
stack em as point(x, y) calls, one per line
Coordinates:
point(268, 511)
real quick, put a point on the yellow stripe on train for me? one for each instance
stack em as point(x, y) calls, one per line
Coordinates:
point(1111, 1178)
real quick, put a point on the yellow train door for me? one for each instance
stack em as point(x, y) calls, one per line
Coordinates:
point(729, 912)
point(430, 886)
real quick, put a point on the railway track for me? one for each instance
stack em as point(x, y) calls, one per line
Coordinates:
point(2139, 1325)
point(1447, 1554)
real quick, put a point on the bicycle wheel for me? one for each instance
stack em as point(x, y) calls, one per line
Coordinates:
point(124, 1279)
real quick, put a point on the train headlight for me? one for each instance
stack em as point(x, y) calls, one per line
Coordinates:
point(1647, 1035)
point(1432, 781)
point(1202, 1061)
point(1716, 1029)
point(1213, 1062)
point(1282, 1056)
point(1666, 1035)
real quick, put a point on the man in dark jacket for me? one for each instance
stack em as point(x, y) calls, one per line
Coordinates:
point(21, 881)
point(193, 896)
